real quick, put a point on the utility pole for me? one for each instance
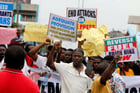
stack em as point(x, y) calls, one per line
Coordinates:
point(78, 3)
point(18, 7)
point(82, 3)
point(79, 33)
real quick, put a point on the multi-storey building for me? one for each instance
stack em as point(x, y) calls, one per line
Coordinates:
point(21, 1)
point(135, 20)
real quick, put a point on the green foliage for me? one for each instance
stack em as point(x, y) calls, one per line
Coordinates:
point(14, 25)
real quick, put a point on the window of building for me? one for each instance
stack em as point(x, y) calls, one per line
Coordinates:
point(30, 18)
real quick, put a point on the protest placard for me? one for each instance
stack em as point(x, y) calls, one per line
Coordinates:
point(62, 28)
point(86, 17)
point(6, 34)
point(6, 14)
point(35, 32)
point(127, 47)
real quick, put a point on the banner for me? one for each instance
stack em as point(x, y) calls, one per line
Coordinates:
point(86, 17)
point(6, 34)
point(132, 84)
point(54, 84)
point(62, 28)
point(6, 14)
point(35, 32)
point(127, 47)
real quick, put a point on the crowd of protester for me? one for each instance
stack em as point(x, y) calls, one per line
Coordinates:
point(71, 71)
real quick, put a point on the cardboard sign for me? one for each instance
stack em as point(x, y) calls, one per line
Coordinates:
point(127, 47)
point(6, 34)
point(86, 17)
point(6, 14)
point(35, 32)
point(62, 28)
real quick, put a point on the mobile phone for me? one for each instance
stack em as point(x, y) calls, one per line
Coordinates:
point(89, 68)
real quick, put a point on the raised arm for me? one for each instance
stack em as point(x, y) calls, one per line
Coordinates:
point(110, 69)
point(58, 55)
point(50, 61)
point(33, 51)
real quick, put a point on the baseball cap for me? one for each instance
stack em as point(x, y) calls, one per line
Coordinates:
point(17, 41)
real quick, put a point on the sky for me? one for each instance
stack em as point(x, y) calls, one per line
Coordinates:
point(113, 13)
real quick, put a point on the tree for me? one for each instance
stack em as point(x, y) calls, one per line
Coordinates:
point(14, 25)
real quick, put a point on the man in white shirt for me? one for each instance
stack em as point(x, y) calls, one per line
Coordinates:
point(72, 75)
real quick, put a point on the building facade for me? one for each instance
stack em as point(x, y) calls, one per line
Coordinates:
point(135, 20)
point(24, 11)
point(20, 1)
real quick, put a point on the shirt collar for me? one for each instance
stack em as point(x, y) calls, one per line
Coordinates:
point(12, 70)
point(82, 73)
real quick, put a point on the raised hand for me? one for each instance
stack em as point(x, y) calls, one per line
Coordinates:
point(47, 41)
point(117, 57)
point(57, 45)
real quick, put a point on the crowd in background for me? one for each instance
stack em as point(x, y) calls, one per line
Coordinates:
point(70, 69)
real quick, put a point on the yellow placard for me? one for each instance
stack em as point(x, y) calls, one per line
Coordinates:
point(94, 44)
point(35, 32)
point(86, 25)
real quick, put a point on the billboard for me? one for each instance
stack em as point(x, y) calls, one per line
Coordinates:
point(6, 14)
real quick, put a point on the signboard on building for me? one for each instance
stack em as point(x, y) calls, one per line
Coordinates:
point(62, 28)
point(127, 46)
point(6, 14)
point(86, 17)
